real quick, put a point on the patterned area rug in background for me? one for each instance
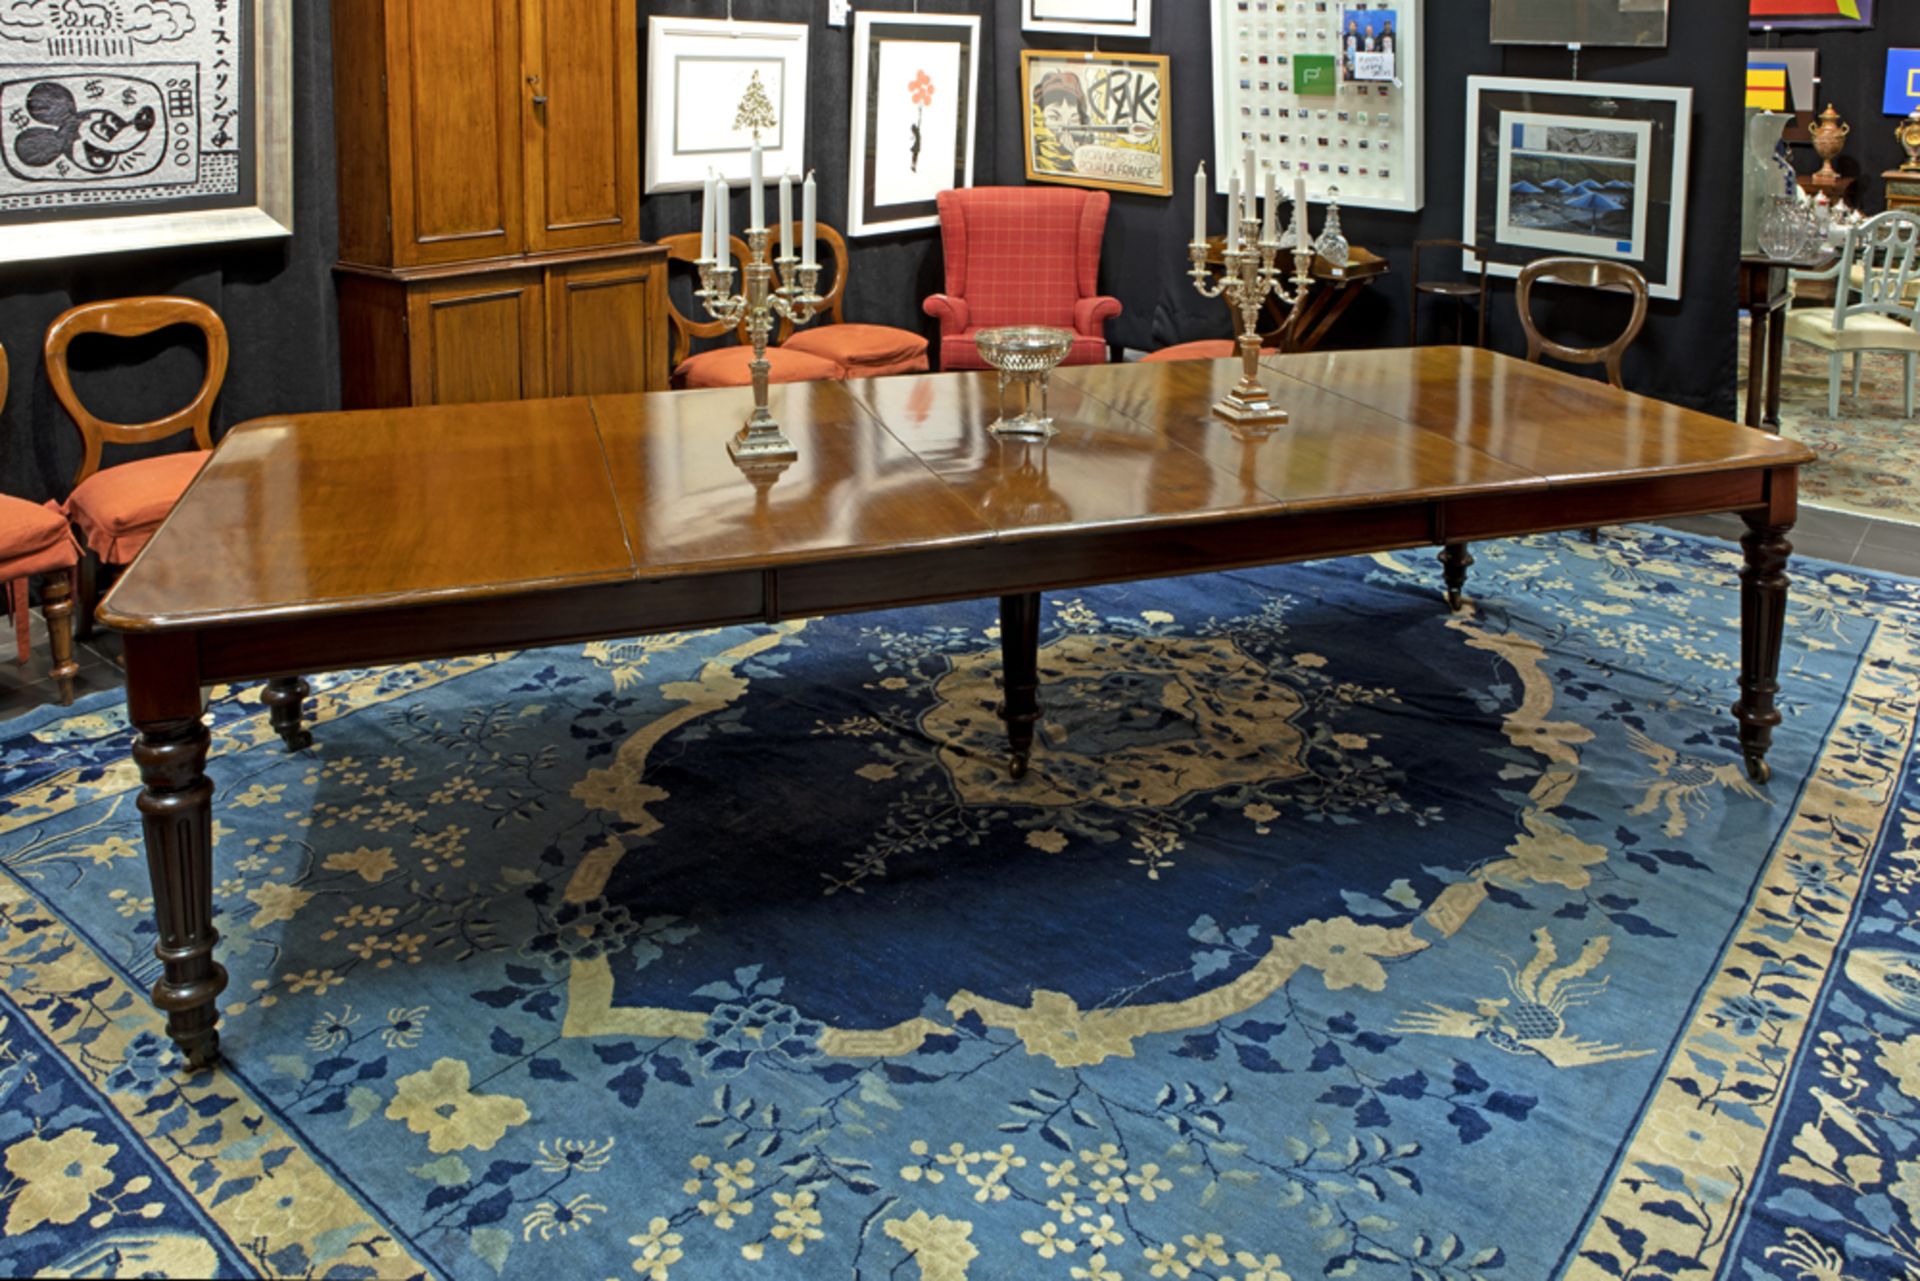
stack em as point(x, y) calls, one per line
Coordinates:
point(1332, 935)
point(1868, 461)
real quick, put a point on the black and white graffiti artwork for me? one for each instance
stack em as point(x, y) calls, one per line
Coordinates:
point(115, 102)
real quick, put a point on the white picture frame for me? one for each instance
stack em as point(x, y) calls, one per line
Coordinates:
point(1089, 17)
point(1285, 87)
point(699, 72)
point(916, 95)
point(128, 213)
point(1578, 167)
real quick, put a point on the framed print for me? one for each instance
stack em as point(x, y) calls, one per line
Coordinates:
point(1557, 166)
point(916, 82)
point(1782, 79)
point(1088, 17)
point(1639, 23)
point(1811, 15)
point(1098, 120)
point(712, 85)
point(128, 126)
point(1338, 100)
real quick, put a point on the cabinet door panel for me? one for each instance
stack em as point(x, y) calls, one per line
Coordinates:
point(607, 328)
point(583, 141)
point(479, 340)
point(454, 95)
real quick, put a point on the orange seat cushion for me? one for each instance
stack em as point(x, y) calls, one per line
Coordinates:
point(727, 367)
point(26, 530)
point(1204, 349)
point(119, 508)
point(864, 351)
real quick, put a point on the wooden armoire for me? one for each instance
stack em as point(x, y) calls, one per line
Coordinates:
point(489, 156)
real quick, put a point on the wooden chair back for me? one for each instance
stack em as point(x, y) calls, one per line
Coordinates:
point(830, 312)
point(685, 247)
point(1882, 250)
point(1587, 273)
point(134, 318)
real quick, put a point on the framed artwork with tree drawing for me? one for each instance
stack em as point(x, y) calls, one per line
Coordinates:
point(915, 95)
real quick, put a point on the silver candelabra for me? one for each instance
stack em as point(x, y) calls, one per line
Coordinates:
point(783, 288)
point(1249, 273)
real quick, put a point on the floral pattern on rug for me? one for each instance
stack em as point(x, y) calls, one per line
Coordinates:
point(1867, 461)
point(1332, 934)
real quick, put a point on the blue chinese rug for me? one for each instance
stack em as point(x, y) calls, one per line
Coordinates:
point(1332, 935)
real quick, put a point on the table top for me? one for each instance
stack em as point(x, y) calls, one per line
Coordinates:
point(310, 515)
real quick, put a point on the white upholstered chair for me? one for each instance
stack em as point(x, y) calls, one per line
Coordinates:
point(1882, 261)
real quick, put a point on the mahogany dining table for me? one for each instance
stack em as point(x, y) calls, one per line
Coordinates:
point(318, 542)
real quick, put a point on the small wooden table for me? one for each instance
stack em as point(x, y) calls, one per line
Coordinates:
point(1764, 297)
point(1332, 294)
point(324, 541)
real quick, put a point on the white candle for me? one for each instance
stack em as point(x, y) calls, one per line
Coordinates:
point(786, 215)
point(1249, 186)
point(706, 220)
point(1200, 205)
point(1267, 231)
point(808, 230)
point(1233, 213)
point(1300, 211)
point(722, 217)
point(756, 199)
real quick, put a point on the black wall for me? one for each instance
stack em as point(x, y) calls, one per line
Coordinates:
point(278, 303)
point(1853, 76)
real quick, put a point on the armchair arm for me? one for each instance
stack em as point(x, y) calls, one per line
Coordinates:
point(1090, 315)
point(951, 311)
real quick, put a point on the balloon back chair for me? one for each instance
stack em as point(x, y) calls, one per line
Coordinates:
point(117, 509)
point(727, 366)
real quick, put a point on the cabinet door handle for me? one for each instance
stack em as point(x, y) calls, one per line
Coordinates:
point(539, 99)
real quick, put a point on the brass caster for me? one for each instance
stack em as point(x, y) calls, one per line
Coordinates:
point(1758, 770)
point(1017, 764)
point(300, 741)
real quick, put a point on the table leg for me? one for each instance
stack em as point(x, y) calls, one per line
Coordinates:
point(176, 810)
point(1455, 560)
point(1776, 350)
point(1756, 362)
point(1763, 616)
point(1020, 675)
point(284, 699)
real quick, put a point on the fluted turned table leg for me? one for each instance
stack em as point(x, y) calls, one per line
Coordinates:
point(176, 806)
point(1020, 676)
point(1763, 617)
point(56, 606)
point(285, 699)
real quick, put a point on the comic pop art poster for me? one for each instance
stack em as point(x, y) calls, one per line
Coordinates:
point(123, 103)
point(1098, 120)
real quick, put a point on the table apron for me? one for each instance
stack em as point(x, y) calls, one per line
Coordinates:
point(1043, 560)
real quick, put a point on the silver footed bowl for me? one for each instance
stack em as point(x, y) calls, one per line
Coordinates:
point(1024, 349)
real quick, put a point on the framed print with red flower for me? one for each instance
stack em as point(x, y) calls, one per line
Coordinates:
point(1098, 120)
point(915, 94)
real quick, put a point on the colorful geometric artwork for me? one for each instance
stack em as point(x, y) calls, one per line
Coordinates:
point(1812, 14)
point(1767, 86)
point(1903, 81)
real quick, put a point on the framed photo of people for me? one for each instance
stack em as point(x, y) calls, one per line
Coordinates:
point(1089, 17)
point(713, 86)
point(1098, 120)
point(1327, 92)
point(128, 126)
point(1578, 167)
point(916, 82)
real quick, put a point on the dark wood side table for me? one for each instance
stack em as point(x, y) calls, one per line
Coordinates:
point(1763, 296)
point(1333, 292)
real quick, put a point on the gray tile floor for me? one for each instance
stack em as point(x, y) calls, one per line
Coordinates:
point(1827, 535)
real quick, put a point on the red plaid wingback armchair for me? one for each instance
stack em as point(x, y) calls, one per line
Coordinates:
point(1022, 256)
